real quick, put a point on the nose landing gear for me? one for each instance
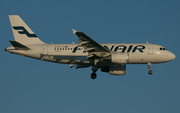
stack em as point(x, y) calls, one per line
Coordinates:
point(149, 67)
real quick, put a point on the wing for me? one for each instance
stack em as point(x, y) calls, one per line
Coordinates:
point(92, 47)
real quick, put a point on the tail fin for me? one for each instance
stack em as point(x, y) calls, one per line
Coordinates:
point(22, 33)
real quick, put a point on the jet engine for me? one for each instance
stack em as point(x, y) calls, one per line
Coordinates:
point(115, 70)
point(118, 58)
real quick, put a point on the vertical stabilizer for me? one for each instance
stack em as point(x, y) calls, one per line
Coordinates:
point(22, 33)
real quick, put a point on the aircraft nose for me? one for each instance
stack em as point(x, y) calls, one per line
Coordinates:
point(172, 56)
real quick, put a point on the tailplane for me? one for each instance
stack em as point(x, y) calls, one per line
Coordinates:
point(19, 46)
point(22, 33)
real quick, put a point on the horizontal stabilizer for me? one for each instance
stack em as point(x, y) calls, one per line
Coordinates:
point(19, 46)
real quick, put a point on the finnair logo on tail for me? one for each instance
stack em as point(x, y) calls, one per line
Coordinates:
point(24, 31)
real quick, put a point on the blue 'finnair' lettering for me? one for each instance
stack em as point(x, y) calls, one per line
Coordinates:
point(121, 48)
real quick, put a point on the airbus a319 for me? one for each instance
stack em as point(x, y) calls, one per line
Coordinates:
point(110, 58)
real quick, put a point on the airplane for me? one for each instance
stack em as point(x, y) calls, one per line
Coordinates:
point(110, 58)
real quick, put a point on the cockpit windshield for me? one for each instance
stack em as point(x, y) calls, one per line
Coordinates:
point(162, 48)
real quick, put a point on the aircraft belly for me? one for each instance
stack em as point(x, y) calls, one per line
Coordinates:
point(66, 59)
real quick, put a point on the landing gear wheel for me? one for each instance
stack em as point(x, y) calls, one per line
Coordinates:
point(149, 67)
point(93, 75)
point(150, 72)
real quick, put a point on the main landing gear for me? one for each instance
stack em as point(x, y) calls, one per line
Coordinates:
point(149, 67)
point(94, 69)
point(93, 75)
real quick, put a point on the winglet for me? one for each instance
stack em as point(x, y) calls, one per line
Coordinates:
point(74, 31)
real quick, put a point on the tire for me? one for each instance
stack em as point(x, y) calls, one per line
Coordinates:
point(150, 72)
point(93, 75)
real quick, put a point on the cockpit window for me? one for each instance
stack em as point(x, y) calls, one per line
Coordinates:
point(162, 48)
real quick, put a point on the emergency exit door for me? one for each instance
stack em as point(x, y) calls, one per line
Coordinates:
point(45, 50)
point(150, 49)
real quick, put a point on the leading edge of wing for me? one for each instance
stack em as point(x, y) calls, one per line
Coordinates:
point(89, 44)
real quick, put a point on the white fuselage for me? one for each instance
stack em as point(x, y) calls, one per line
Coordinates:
point(75, 54)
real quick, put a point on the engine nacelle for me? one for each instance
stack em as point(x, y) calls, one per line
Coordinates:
point(118, 58)
point(115, 70)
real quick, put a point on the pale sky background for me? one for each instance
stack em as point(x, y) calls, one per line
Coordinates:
point(32, 86)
